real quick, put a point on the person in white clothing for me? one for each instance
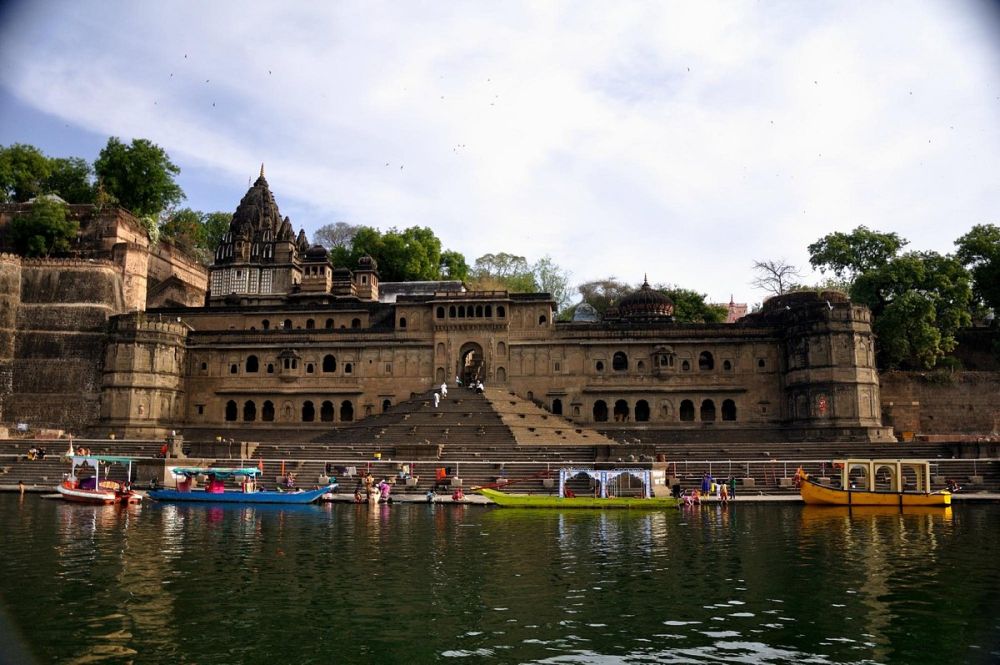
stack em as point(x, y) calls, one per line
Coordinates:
point(444, 389)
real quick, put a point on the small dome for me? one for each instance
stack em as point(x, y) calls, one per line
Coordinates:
point(366, 262)
point(316, 253)
point(646, 303)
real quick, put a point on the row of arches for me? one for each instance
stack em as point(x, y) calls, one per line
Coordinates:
point(306, 413)
point(623, 412)
point(328, 365)
point(310, 324)
point(706, 362)
point(470, 312)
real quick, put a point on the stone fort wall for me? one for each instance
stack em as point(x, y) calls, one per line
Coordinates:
point(942, 402)
point(53, 321)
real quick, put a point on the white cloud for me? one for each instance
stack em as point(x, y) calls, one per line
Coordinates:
point(683, 140)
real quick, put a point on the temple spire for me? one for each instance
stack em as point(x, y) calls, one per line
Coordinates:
point(262, 169)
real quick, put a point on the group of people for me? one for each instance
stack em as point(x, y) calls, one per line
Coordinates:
point(36, 452)
point(373, 492)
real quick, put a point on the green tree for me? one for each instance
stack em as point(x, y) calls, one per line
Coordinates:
point(140, 176)
point(339, 234)
point(216, 225)
point(918, 300)
point(413, 254)
point(44, 230)
point(23, 172)
point(70, 178)
point(602, 294)
point(848, 255)
point(979, 251)
point(503, 272)
point(454, 266)
point(691, 306)
point(553, 280)
point(185, 229)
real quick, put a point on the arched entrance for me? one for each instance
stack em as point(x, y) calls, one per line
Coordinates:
point(470, 363)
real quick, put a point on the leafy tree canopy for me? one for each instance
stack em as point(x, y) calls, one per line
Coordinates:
point(44, 230)
point(72, 179)
point(691, 307)
point(919, 300)
point(848, 255)
point(140, 176)
point(510, 272)
point(413, 254)
point(601, 294)
point(23, 172)
point(979, 250)
point(194, 231)
point(453, 265)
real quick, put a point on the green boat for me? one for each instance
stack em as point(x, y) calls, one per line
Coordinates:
point(552, 501)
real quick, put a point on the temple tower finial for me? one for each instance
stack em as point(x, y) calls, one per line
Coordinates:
point(262, 169)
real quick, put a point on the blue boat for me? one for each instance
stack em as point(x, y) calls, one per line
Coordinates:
point(216, 492)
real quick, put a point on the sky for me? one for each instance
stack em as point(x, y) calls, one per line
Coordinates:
point(677, 140)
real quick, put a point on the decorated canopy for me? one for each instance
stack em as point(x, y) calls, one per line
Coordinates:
point(219, 472)
point(605, 476)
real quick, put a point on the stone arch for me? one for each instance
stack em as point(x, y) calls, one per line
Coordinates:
point(501, 312)
point(621, 411)
point(619, 361)
point(439, 376)
point(386, 405)
point(267, 412)
point(501, 349)
point(329, 324)
point(685, 366)
point(557, 408)
point(355, 323)
point(440, 350)
point(707, 413)
point(310, 324)
point(642, 411)
point(231, 410)
point(501, 375)
point(439, 312)
point(728, 410)
point(287, 325)
point(326, 411)
point(706, 361)
point(687, 410)
point(346, 411)
point(249, 411)
point(402, 322)
point(600, 411)
point(308, 412)
point(329, 363)
point(253, 365)
point(479, 311)
point(470, 363)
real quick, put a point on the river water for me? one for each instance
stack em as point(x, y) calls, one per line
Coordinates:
point(413, 583)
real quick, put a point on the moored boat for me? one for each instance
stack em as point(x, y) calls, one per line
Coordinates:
point(605, 482)
point(865, 482)
point(216, 492)
point(84, 483)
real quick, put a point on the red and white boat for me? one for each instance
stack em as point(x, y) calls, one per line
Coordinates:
point(84, 484)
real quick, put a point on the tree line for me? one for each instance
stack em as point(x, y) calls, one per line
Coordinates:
point(919, 299)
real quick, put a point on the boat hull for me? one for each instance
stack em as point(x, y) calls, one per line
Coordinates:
point(816, 494)
point(547, 501)
point(98, 496)
point(202, 496)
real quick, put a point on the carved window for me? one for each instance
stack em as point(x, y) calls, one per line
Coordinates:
point(249, 411)
point(310, 324)
point(348, 368)
point(310, 368)
point(642, 411)
point(440, 312)
point(326, 412)
point(234, 368)
point(231, 410)
point(267, 413)
point(705, 361)
point(386, 405)
point(270, 368)
point(452, 312)
point(600, 411)
point(727, 366)
point(542, 320)
point(346, 411)
point(402, 322)
point(557, 407)
point(479, 311)
point(308, 412)
point(619, 362)
point(729, 410)
point(253, 365)
point(287, 325)
point(599, 366)
point(686, 366)
point(687, 410)
point(707, 411)
point(501, 312)
point(329, 363)
point(329, 324)
point(355, 323)
point(265, 324)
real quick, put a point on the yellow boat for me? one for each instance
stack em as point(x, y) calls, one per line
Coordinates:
point(865, 482)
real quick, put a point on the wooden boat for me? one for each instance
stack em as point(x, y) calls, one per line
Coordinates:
point(216, 492)
point(80, 487)
point(887, 482)
point(505, 500)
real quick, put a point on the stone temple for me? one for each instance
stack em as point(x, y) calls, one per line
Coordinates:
point(274, 338)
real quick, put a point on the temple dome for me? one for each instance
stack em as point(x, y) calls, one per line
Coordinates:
point(646, 303)
point(316, 253)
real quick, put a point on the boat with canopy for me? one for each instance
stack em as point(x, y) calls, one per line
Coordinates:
point(84, 483)
point(215, 490)
point(878, 482)
point(610, 491)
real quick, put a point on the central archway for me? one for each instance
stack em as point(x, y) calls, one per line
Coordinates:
point(470, 363)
